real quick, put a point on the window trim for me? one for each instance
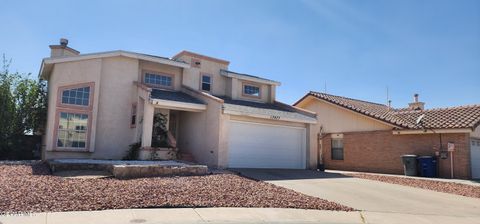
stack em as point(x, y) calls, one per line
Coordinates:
point(172, 76)
point(134, 112)
point(75, 86)
point(331, 148)
point(252, 84)
point(201, 82)
point(88, 133)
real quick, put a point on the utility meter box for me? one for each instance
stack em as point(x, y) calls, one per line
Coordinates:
point(443, 154)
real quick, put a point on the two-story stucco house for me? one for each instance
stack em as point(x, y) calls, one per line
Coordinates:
point(100, 103)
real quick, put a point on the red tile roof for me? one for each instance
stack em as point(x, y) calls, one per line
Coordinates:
point(404, 118)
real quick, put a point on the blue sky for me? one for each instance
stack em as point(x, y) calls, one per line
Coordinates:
point(358, 48)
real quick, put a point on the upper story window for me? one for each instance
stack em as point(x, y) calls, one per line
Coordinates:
point(251, 90)
point(158, 79)
point(77, 96)
point(206, 83)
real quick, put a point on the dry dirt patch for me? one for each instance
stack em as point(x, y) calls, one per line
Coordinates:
point(31, 188)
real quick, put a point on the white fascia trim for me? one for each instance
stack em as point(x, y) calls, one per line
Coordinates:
point(268, 117)
point(429, 131)
point(115, 54)
point(169, 104)
point(252, 79)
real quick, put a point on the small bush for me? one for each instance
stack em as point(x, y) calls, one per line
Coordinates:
point(133, 150)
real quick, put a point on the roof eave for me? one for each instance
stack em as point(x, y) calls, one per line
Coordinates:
point(115, 54)
point(268, 117)
point(361, 114)
point(45, 70)
point(432, 131)
point(248, 78)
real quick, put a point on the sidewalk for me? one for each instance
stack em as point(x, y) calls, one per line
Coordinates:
point(230, 215)
point(458, 181)
point(188, 215)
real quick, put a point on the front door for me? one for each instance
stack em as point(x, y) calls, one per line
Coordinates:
point(172, 125)
point(475, 157)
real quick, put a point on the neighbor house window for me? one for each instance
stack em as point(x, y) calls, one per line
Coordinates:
point(77, 96)
point(206, 83)
point(337, 148)
point(134, 115)
point(251, 90)
point(72, 130)
point(158, 79)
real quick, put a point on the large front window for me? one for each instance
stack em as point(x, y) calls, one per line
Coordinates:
point(72, 130)
point(77, 96)
point(158, 79)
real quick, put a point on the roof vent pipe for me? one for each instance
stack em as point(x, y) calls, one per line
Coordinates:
point(415, 98)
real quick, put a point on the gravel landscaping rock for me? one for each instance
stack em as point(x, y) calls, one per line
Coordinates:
point(446, 187)
point(31, 188)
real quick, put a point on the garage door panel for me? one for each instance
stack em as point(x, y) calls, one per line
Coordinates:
point(254, 145)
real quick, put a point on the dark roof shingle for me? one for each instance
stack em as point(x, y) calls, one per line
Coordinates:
point(174, 96)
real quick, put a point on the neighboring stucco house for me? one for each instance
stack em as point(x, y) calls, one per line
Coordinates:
point(100, 103)
point(358, 135)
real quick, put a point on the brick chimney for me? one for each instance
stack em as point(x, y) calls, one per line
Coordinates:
point(62, 50)
point(416, 105)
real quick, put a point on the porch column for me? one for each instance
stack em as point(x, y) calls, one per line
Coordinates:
point(147, 127)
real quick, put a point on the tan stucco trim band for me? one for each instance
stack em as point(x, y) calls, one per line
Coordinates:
point(268, 117)
point(168, 104)
point(430, 131)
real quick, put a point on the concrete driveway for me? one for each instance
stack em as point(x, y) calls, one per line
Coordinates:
point(380, 202)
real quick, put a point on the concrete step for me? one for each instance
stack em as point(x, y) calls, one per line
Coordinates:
point(186, 157)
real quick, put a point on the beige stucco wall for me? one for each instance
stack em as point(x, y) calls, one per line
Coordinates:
point(64, 74)
point(114, 94)
point(115, 102)
point(222, 85)
point(335, 119)
point(192, 75)
point(199, 132)
point(476, 133)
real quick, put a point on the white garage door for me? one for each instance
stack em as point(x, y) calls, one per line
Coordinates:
point(253, 145)
point(475, 156)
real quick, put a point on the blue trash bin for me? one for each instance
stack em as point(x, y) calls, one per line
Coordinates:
point(427, 166)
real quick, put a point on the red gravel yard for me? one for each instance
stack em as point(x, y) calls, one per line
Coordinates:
point(31, 188)
point(440, 186)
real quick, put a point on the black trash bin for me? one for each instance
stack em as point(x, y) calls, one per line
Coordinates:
point(427, 166)
point(409, 165)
